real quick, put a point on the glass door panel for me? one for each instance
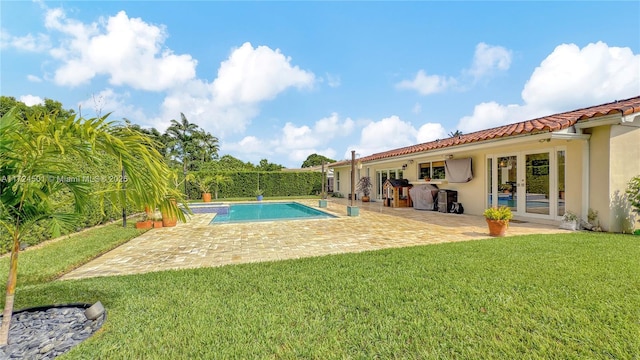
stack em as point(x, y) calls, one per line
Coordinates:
point(560, 156)
point(537, 182)
point(490, 190)
point(507, 181)
point(381, 177)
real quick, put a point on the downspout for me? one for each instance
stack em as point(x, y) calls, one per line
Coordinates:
point(586, 174)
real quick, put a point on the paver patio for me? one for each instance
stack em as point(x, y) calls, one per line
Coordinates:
point(198, 244)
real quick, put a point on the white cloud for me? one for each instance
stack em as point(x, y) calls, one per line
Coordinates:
point(296, 143)
point(255, 148)
point(31, 100)
point(254, 75)
point(491, 114)
point(247, 78)
point(128, 50)
point(333, 80)
point(427, 84)
point(330, 127)
point(109, 101)
point(33, 78)
point(430, 132)
point(29, 42)
point(488, 58)
point(569, 78)
point(388, 133)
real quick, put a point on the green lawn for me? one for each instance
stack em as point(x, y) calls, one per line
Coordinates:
point(560, 296)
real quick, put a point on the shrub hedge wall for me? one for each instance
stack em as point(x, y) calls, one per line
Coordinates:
point(273, 183)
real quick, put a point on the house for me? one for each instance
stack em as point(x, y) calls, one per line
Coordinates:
point(576, 161)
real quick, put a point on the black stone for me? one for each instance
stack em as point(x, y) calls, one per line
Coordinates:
point(47, 332)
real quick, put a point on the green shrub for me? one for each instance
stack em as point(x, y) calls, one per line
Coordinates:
point(633, 192)
point(272, 183)
point(498, 213)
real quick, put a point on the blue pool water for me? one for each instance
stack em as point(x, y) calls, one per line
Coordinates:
point(261, 212)
point(530, 203)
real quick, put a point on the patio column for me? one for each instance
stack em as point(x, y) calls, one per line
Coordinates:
point(353, 210)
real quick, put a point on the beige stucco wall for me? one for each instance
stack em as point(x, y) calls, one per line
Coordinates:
point(599, 173)
point(624, 144)
point(474, 194)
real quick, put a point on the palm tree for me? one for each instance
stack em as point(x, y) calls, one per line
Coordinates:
point(207, 146)
point(456, 133)
point(35, 167)
point(181, 145)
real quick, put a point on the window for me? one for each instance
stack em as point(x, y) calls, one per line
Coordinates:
point(433, 170)
point(337, 180)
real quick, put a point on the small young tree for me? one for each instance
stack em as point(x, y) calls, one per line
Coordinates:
point(364, 185)
point(35, 167)
point(220, 179)
point(633, 193)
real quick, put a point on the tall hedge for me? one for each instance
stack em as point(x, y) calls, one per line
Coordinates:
point(272, 183)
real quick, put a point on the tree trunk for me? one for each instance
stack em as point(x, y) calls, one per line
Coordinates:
point(11, 290)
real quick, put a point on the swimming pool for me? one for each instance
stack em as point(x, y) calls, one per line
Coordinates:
point(253, 212)
point(530, 203)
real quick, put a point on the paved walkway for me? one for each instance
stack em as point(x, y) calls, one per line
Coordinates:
point(198, 244)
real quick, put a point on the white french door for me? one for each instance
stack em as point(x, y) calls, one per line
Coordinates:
point(526, 182)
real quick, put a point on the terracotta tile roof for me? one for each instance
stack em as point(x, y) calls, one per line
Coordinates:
point(544, 124)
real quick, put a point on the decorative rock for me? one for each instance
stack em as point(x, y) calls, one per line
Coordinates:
point(95, 311)
point(45, 333)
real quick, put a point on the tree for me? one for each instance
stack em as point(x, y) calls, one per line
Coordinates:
point(207, 147)
point(633, 193)
point(265, 165)
point(230, 163)
point(316, 160)
point(36, 155)
point(456, 133)
point(220, 179)
point(181, 145)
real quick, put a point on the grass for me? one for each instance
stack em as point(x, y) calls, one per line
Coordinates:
point(540, 296)
point(52, 260)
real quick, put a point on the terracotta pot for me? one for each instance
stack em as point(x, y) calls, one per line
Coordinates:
point(157, 224)
point(497, 227)
point(366, 199)
point(144, 224)
point(206, 197)
point(168, 221)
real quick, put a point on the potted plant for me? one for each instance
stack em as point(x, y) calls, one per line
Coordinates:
point(259, 194)
point(569, 221)
point(204, 182)
point(169, 206)
point(144, 223)
point(498, 219)
point(364, 185)
point(323, 200)
point(505, 188)
point(156, 219)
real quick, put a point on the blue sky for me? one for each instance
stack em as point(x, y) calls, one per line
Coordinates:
point(283, 80)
